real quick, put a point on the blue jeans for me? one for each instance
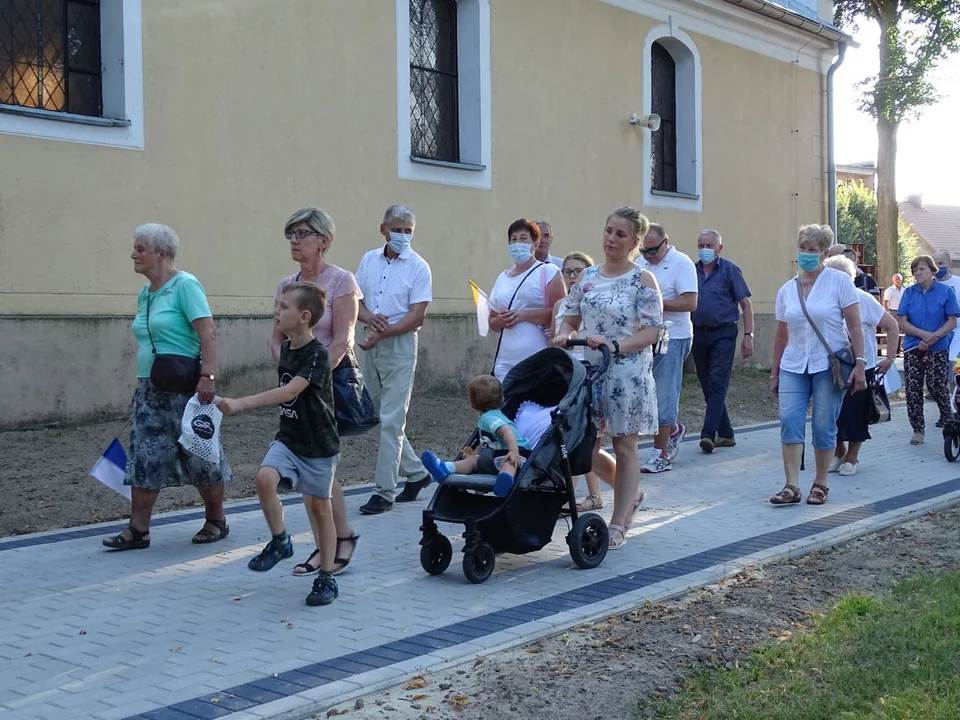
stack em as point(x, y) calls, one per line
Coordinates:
point(713, 352)
point(796, 389)
point(668, 376)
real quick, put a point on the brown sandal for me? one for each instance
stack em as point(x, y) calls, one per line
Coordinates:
point(205, 535)
point(790, 495)
point(818, 494)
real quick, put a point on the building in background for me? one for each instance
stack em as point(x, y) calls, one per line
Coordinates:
point(222, 118)
point(937, 227)
point(865, 172)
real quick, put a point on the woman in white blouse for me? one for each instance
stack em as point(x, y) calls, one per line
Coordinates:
point(524, 296)
point(801, 362)
point(853, 425)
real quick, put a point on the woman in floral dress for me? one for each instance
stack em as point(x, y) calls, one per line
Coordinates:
point(620, 306)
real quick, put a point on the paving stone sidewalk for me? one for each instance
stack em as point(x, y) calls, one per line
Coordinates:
point(181, 631)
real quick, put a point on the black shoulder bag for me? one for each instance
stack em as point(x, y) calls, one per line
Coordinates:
point(510, 305)
point(172, 373)
point(354, 408)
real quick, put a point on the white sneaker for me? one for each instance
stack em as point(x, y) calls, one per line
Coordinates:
point(656, 463)
point(835, 464)
point(848, 469)
point(673, 444)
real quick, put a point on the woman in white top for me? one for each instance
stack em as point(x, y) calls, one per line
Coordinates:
point(524, 296)
point(604, 465)
point(801, 363)
point(853, 425)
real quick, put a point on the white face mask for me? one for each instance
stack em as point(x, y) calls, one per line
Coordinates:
point(399, 242)
point(520, 252)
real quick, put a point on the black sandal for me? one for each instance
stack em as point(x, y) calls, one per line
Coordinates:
point(340, 563)
point(136, 541)
point(205, 536)
point(305, 568)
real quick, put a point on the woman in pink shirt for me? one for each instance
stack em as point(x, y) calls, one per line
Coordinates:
point(310, 232)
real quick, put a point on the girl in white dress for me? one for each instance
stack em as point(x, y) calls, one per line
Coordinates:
point(524, 296)
point(573, 266)
point(619, 305)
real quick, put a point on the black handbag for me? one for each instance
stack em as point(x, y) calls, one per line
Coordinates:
point(354, 408)
point(878, 409)
point(172, 373)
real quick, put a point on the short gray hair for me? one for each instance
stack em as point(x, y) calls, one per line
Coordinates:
point(159, 237)
point(543, 225)
point(841, 263)
point(943, 254)
point(318, 220)
point(708, 231)
point(822, 235)
point(399, 212)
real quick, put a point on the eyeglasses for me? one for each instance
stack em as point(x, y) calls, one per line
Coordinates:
point(572, 272)
point(654, 250)
point(300, 234)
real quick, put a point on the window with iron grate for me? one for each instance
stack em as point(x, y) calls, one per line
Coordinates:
point(50, 55)
point(663, 96)
point(434, 104)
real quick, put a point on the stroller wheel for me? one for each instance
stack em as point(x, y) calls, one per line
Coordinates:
point(478, 565)
point(435, 555)
point(588, 540)
point(951, 444)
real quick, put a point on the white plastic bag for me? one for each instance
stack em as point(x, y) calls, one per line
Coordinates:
point(200, 430)
point(892, 380)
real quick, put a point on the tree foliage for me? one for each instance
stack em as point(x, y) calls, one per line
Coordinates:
point(857, 218)
point(915, 36)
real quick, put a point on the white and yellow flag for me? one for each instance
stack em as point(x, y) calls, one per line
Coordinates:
point(482, 302)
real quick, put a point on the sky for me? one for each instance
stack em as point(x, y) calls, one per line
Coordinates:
point(928, 154)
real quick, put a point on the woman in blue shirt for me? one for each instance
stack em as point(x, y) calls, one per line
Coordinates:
point(927, 314)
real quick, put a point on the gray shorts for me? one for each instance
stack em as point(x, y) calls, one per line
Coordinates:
point(309, 476)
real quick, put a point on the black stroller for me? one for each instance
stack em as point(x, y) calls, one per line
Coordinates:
point(525, 519)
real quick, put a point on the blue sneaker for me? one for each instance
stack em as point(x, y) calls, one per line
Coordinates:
point(502, 487)
point(273, 553)
point(325, 590)
point(435, 466)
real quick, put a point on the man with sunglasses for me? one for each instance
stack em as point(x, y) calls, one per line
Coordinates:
point(724, 293)
point(677, 277)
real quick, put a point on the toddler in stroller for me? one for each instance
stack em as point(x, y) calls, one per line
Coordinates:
point(501, 444)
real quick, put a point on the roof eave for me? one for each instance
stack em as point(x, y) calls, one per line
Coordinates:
point(796, 20)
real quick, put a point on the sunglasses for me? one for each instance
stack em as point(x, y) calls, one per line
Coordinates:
point(654, 250)
point(572, 272)
point(300, 234)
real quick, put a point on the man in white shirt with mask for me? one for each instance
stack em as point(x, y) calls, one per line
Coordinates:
point(677, 277)
point(397, 288)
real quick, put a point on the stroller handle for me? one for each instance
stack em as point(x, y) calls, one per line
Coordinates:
point(603, 349)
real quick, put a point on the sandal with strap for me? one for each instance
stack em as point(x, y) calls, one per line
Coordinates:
point(136, 541)
point(205, 536)
point(617, 537)
point(305, 568)
point(340, 563)
point(790, 495)
point(633, 509)
point(593, 501)
point(818, 494)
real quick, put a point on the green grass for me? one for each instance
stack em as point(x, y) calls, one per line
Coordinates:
point(866, 659)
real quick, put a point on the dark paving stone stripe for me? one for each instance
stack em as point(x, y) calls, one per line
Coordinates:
point(259, 692)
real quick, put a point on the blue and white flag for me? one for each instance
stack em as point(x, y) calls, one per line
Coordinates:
point(111, 467)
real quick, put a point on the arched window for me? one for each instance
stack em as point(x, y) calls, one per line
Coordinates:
point(434, 111)
point(663, 102)
point(672, 168)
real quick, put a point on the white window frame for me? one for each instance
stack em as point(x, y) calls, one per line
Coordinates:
point(473, 77)
point(121, 53)
point(689, 125)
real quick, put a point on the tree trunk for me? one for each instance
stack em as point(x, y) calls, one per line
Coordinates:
point(887, 213)
point(888, 122)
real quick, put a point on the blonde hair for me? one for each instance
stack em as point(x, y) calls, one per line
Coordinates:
point(579, 257)
point(841, 263)
point(638, 221)
point(486, 393)
point(318, 220)
point(822, 235)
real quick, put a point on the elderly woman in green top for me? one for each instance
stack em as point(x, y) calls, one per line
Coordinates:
point(173, 318)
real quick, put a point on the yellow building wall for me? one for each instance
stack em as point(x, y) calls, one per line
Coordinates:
point(254, 109)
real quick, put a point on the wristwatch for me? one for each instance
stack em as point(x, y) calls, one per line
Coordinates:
point(209, 376)
point(860, 359)
point(749, 335)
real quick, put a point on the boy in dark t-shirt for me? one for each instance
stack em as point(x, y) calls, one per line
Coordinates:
point(306, 449)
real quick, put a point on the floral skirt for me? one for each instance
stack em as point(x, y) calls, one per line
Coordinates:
point(156, 460)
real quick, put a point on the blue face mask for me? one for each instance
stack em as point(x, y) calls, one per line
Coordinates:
point(707, 255)
point(941, 273)
point(399, 242)
point(520, 252)
point(808, 261)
